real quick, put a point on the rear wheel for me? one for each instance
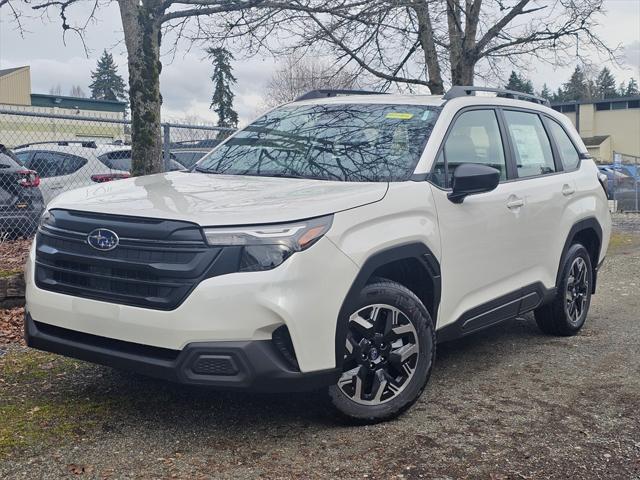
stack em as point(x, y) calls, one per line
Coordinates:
point(566, 314)
point(389, 354)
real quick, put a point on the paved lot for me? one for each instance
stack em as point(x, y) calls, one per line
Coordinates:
point(508, 403)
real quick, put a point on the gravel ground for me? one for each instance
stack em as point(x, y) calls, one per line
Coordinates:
point(507, 403)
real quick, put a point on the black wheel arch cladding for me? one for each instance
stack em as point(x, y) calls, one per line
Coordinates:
point(588, 232)
point(410, 251)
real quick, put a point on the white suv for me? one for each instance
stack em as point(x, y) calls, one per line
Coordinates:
point(331, 243)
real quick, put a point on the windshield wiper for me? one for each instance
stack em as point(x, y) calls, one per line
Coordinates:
point(283, 175)
point(206, 170)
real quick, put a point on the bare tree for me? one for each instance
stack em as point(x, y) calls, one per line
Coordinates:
point(77, 91)
point(144, 24)
point(55, 90)
point(415, 42)
point(15, 14)
point(296, 75)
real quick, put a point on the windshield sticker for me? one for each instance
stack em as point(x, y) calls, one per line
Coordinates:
point(399, 115)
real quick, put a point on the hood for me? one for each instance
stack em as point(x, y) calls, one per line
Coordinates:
point(210, 199)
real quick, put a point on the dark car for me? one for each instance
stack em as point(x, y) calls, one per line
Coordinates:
point(189, 152)
point(21, 202)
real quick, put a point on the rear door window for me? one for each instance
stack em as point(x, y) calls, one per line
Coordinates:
point(47, 164)
point(531, 144)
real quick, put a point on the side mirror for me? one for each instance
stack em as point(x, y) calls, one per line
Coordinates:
point(472, 178)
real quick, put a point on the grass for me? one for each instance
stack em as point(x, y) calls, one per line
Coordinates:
point(32, 416)
point(620, 242)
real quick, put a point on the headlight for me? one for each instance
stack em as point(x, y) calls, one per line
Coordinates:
point(266, 247)
point(45, 218)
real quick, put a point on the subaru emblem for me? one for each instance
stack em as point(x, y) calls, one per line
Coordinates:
point(103, 239)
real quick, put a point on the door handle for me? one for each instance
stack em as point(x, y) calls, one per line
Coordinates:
point(568, 190)
point(515, 202)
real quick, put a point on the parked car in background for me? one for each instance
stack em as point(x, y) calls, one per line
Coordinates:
point(187, 153)
point(66, 165)
point(21, 202)
point(617, 178)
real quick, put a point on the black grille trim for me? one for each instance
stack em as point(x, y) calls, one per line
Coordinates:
point(157, 270)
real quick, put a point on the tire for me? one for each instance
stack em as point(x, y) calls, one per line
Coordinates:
point(566, 314)
point(389, 354)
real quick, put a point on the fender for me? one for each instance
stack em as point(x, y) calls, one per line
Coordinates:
point(416, 250)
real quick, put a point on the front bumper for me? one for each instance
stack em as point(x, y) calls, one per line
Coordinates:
point(247, 365)
point(304, 294)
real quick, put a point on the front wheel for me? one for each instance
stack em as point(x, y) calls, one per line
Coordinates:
point(389, 353)
point(566, 314)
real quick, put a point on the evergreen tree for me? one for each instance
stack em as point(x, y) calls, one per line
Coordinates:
point(622, 89)
point(632, 88)
point(519, 84)
point(546, 93)
point(223, 79)
point(606, 84)
point(576, 87)
point(107, 84)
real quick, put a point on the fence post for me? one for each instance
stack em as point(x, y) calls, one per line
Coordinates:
point(166, 146)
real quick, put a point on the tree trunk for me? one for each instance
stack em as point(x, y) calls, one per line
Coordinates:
point(462, 71)
point(462, 40)
point(141, 22)
point(427, 42)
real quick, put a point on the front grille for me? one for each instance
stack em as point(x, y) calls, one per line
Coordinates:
point(155, 265)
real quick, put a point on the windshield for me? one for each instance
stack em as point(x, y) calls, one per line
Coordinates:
point(347, 142)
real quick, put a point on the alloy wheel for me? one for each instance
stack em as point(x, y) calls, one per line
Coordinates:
point(381, 355)
point(577, 291)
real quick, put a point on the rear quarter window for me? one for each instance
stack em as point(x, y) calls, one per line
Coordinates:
point(568, 153)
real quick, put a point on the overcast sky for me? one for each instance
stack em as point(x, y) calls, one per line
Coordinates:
point(185, 84)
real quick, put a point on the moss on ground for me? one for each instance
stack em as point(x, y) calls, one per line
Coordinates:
point(33, 423)
point(30, 414)
point(9, 273)
point(622, 242)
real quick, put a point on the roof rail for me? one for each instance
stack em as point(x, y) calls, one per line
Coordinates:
point(330, 92)
point(62, 143)
point(463, 91)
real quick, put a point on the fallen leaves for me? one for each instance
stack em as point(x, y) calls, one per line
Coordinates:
point(76, 469)
point(13, 254)
point(11, 325)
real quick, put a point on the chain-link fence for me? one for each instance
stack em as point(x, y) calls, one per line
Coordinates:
point(45, 155)
point(623, 178)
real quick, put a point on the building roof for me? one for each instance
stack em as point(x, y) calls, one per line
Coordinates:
point(597, 100)
point(594, 141)
point(61, 101)
point(7, 71)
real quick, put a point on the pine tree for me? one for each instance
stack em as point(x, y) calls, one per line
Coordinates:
point(576, 87)
point(622, 89)
point(546, 93)
point(519, 83)
point(107, 84)
point(632, 88)
point(559, 96)
point(223, 79)
point(606, 84)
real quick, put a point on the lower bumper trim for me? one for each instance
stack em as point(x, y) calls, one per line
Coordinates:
point(239, 365)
